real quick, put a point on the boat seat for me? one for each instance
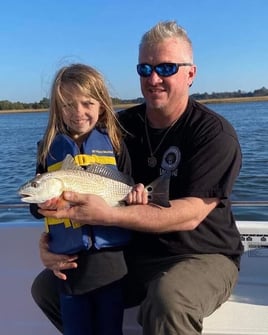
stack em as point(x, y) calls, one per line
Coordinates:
point(246, 311)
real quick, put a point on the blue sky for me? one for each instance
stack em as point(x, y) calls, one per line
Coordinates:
point(37, 37)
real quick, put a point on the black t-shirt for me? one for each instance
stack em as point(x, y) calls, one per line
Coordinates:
point(202, 153)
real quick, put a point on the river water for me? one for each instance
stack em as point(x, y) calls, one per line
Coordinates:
point(19, 133)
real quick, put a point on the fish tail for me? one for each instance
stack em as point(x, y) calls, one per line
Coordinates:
point(158, 190)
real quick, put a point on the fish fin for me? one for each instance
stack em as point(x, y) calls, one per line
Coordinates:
point(158, 190)
point(69, 164)
point(107, 172)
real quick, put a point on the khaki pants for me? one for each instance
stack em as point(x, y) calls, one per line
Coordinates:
point(181, 296)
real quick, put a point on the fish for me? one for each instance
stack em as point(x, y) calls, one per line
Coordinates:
point(108, 183)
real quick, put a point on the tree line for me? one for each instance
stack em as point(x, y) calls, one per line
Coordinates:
point(238, 94)
point(8, 105)
point(44, 103)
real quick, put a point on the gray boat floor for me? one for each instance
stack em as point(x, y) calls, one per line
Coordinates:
point(245, 313)
point(20, 264)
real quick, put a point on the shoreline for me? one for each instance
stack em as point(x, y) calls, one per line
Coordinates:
point(128, 105)
point(234, 100)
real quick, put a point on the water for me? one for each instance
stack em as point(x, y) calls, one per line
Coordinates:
point(251, 123)
point(20, 132)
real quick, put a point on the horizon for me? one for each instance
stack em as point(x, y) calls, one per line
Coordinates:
point(37, 38)
point(141, 97)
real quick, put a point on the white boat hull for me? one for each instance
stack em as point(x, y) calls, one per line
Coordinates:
point(246, 312)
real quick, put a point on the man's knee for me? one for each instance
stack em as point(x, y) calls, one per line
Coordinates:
point(36, 290)
point(166, 295)
point(44, 285)
point(163, 313)
point(45, 293)
point(179, 299)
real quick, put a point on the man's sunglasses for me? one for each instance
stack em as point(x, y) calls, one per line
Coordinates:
point(163, 69)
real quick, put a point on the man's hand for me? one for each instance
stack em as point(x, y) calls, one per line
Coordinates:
point(55, 262)
point(54, 203)
point(83, 208)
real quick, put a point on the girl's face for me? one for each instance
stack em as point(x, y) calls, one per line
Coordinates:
point(80, 113)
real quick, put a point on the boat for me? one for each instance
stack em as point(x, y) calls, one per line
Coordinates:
point(245, 312)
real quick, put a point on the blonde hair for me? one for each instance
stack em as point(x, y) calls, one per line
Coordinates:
point(88, 82)
point(164, 30)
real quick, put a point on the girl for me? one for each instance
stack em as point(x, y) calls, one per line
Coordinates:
point(82, 123)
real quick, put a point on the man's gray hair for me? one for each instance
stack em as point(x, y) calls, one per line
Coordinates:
point(164, 30)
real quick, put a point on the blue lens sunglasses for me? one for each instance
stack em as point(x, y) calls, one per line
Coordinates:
point(163, 69)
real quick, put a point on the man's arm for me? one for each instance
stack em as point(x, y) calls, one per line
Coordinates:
point(184, 214)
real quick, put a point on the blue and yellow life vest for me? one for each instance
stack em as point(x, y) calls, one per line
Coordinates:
point(70, 237)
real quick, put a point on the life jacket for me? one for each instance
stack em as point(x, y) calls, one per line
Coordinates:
point(68, 237)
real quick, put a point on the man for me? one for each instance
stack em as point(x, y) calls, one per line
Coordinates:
point(184, 260)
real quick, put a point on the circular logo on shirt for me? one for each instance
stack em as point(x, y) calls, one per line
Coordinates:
point(171, 159)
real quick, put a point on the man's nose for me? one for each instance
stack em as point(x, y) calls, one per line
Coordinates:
point(154, 78)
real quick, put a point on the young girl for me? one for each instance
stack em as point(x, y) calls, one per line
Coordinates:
point(82, 123)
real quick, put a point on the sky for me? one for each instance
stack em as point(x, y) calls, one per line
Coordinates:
point(37, 37)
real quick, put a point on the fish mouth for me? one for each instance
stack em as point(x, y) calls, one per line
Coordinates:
point(25, 197)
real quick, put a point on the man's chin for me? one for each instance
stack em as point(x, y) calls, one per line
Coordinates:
point(155, 104)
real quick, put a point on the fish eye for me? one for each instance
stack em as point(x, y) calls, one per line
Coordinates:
point(34, 184)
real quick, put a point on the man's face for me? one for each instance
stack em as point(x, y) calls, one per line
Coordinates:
point(165, 92)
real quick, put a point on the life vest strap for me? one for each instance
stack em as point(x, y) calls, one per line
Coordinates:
point(85, 160)
point(67, 223)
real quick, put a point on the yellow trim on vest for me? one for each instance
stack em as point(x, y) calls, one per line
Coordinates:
point(67, 223)
point(84, 160)
point(54, 167)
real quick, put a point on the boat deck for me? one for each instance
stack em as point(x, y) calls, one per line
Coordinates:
point(245, 313)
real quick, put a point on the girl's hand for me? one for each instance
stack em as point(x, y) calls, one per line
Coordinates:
point(137, 196)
